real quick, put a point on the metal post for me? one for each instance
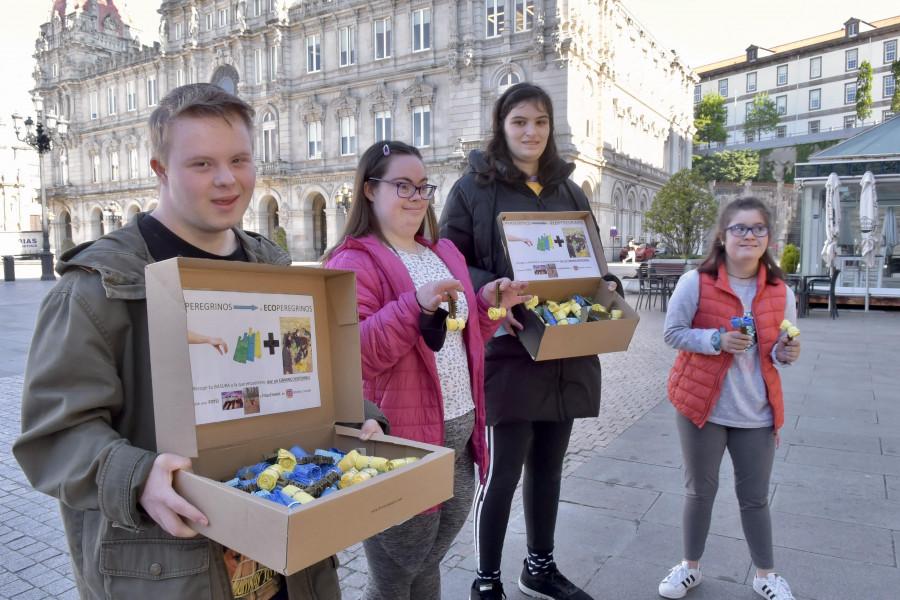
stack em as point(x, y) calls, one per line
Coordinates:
point(46, 255)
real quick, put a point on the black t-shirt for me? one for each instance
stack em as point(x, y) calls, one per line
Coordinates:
point(163, 244)
point(247, 576)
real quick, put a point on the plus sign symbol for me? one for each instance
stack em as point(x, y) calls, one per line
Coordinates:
point(271, 343)
point(559, 241)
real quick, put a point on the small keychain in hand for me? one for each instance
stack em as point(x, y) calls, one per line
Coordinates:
point(454, 323)
point(497, 312)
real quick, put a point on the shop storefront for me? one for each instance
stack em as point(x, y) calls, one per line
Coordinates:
point(877, 151)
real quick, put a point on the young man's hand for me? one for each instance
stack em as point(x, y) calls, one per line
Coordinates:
point(370, 427)
point(162, 503)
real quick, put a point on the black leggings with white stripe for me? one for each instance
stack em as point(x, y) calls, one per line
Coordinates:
point(539, 446)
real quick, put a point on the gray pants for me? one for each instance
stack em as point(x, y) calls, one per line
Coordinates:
point(753, 453)
point(405, 560)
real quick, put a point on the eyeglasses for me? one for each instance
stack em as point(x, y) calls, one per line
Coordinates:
point(408, 190)
point(741, 230)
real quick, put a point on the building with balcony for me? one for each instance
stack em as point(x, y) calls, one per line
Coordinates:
point(330, 77)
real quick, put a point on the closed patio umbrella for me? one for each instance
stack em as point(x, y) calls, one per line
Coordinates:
point(868, 216)
point(832, 219)
point(832, 225)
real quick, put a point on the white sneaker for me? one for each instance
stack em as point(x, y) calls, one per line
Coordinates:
point(773, 587)
point(679, 580)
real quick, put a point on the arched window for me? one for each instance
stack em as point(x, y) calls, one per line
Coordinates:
point(270, 137)
point(507, 80)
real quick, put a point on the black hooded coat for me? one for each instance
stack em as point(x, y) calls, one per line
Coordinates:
point(517, 387)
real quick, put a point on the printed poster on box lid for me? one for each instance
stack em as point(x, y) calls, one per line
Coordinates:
point(548, 246)
point(264, 344)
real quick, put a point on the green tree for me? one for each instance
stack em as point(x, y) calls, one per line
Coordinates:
point(280, 238)
point(895, 99)
point(730, 165)
point(864, 91)
point(710, 116)
point(762, 117)
point(682, 212)
point(790, 258)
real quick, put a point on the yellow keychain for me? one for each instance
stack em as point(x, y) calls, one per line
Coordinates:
point(497, 312)
point(454, 324)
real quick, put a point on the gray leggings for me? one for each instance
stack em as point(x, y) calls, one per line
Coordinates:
point(405, 560)
point(752, 452)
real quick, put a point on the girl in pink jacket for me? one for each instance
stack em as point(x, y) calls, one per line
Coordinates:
point(426, 377)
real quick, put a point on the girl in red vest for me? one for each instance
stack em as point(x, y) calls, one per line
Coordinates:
point(727, 389)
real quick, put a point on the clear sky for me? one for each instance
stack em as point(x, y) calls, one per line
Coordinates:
point(701, 31)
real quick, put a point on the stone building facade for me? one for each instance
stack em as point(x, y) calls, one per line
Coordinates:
point(330, 77)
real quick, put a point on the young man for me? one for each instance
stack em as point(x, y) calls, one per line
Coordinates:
point(88, 434)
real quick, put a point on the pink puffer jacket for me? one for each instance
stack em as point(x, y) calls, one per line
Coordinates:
point(399, 371)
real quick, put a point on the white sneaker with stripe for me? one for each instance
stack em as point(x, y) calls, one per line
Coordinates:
point(773, 587)
point(680, 579)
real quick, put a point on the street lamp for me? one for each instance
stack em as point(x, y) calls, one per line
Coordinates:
point(343, 199)
point(40, 139)
point(113, 215)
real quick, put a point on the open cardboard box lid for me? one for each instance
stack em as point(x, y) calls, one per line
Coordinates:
point(285, 540)
point(338, 362)
point(560, 254)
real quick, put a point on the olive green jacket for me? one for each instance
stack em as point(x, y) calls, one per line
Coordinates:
point(88, 434)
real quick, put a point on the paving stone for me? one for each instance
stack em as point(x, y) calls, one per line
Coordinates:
point(835, 486)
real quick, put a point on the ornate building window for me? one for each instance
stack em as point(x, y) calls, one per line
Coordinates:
point(313, 53)
point(273, 63)
point(314, 139)
point(420, 97)
point(421, 33)
point(226, 77)
point(270, 137)
point(95, 105)
point(95, 168)
point(113, 166)
point(382, 125)
point(421, 126)
point(495, 17)
point(152, 91)
point(348, 135)
point(346, 46)
point(130, 95)
point(313, 113)
point(382, 38)
point(133, 165)
point(112, 105)
point(258, 66)
point(506, 80)
point(524, 15)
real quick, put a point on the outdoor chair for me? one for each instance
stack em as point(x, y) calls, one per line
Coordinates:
point(822, 285)
point(649, 287)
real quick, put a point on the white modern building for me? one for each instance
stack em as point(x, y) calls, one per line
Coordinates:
point(330, 77)
point(812, 81)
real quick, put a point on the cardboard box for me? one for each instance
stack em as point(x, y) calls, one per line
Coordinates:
point(285, 540)
point(560, 254)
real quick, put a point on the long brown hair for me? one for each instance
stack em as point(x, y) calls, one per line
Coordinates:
point(361, 220)
point(716, 254)
point(497, 149)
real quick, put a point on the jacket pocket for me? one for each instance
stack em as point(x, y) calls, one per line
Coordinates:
point(155, 568)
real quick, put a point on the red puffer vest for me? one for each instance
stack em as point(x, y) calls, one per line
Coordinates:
point(696, 379)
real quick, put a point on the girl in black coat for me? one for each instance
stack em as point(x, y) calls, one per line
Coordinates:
point(520, 171)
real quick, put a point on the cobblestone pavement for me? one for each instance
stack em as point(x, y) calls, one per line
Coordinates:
point(633, 383)
point(34, 561)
